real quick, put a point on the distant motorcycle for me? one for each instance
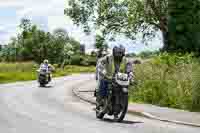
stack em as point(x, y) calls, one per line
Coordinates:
point(43, 77)
point(116, 101)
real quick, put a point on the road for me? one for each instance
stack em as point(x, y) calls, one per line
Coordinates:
point(27, 108)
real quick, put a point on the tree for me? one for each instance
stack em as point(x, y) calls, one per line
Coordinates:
point(61, 33)
point(25, 26)
point(65, 45)
point(184, 27)
point(101, 44)
point(75, 45)
point(124, 17)
point(35, 44)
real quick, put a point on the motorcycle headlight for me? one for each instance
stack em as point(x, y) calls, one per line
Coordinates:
point(122, 76)
point(122, 79)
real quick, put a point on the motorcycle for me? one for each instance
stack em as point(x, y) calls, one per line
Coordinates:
point(43, 77)
point(116, 102)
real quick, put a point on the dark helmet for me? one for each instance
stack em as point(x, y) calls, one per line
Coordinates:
point(118, 52)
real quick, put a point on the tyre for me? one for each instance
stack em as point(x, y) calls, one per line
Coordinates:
point(124, 108)
point(42, 85)
point(99, 115)
point(99, 112)
point(42, 80)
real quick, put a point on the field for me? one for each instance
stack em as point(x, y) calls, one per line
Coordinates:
point(168, 80)
point(12, 72)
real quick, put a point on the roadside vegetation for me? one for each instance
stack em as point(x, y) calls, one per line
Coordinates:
point(169, 77)
point(20, 58)
point(171, 80)
point(12, 72)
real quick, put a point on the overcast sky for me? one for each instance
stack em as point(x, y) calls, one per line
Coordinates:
point(49, 14)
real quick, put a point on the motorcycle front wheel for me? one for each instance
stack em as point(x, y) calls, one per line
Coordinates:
point(124, 108)
point(42, 80)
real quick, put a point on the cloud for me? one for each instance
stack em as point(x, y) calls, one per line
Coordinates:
point(11, 3)
point(49, 15)
point(73, 31)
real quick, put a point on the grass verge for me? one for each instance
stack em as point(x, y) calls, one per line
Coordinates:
point(12, 72)
point(168, 80)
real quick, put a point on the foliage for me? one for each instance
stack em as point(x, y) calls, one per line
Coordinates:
point(130, 55)
point(125, 17)
point(196, 87)
point(12, 72)
point(89, 61)
point(35, 44)
point(83, 60)
point(71, 69)
point(148, 54)
point(101, 43)
point(170, 80)
point(76, 60)
point(184, 27)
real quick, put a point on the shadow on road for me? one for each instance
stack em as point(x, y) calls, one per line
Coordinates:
point(47, 86)
point(123, 122)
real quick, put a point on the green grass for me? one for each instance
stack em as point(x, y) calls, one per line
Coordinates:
point(16, 76)
point(12, 72)
point(168, 81)
point(71, 69)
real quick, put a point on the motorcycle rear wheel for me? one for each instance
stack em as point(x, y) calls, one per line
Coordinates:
point(99, 114)
point(99, 110)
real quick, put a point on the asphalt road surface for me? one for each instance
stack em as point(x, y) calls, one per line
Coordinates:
point(27, 108)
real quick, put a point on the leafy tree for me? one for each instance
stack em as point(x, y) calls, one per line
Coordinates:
point(101, 44)
point(25, 26)
point(75, 45)
point(124, 17)
point(35, 44)
point(61, 33)
point(184, 27)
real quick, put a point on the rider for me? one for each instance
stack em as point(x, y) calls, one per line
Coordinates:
point(100, 55)
point(48, 67)
point(108, 66)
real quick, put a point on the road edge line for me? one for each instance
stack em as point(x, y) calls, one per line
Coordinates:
point(139, 113)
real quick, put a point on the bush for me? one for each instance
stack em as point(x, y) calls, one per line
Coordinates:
point(196, 87)
point(171, 80)
point(76, 60)
point(91, 61)
point(83, 60)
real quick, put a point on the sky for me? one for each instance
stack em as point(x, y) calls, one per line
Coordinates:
point(49, 15)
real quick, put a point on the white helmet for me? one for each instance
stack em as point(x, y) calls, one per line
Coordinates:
point(46, 61)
